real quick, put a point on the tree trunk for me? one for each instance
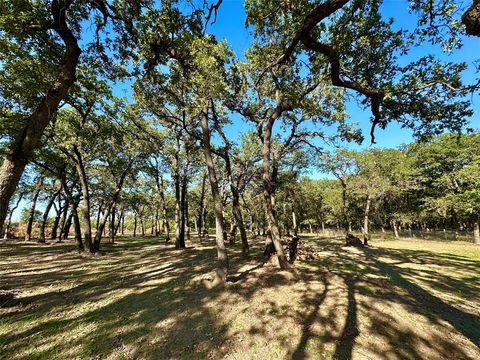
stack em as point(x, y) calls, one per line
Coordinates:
point(233, 231)
point(183, 202)
point(30, 136)
point(112, 225)
point(205, 222)
point(476, 233)
point(294, 222)
point(142, 226)
point(64, 219)
point(73, 214)
point(269, 194)
point(9, 221)
point(187, 218)
point(66, 226)
point(110, 207)
point(346, 222)
point(165, 224)
point(41, 238)
point(155, 223)
point(120, 220)
point(78, 229)
point(365, 220)
point(201, 207)
point(28, 233)
point(122, 227)
point(222, 263)
point(237, 211)
point(99, 212)
point(87, 226)
point(395, 229)
point(58, 216)
point(135, 224)
point(179, 239)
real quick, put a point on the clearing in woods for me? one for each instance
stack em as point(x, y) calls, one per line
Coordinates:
point(142, 299)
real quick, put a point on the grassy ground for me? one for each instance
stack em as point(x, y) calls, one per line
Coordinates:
point(400, 299)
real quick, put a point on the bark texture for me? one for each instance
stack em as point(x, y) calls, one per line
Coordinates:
point(269, 194)
point(222, 263)
point(471, 19)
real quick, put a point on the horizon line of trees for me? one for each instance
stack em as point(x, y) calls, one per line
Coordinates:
point(423, 186)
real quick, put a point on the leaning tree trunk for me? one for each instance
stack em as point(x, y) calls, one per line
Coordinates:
point(365, 220)
point(66, 226)
point(295, 223)
point(30, 136)
point(99, 213)
point(58, 217)
point(9, 221)
point(41, 237)
point(77, 227)
point(64, 219)
point(269, 196)
point(222, 263)
point(28, 233)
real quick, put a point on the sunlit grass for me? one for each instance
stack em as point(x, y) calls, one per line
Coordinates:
point(403, 298)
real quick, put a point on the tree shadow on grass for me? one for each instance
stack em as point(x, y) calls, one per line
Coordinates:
point(134, 288)
point(423, 301)
point(376, 284)
point(138, 300)
point(316, 301)
point(143, 299)
point(350, 332)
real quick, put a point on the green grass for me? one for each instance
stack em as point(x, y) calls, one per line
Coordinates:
point(142, 299)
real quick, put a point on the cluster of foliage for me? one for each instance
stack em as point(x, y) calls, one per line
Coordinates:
point(423, 186)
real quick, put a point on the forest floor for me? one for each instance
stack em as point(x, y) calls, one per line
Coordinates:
point(142, 299)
